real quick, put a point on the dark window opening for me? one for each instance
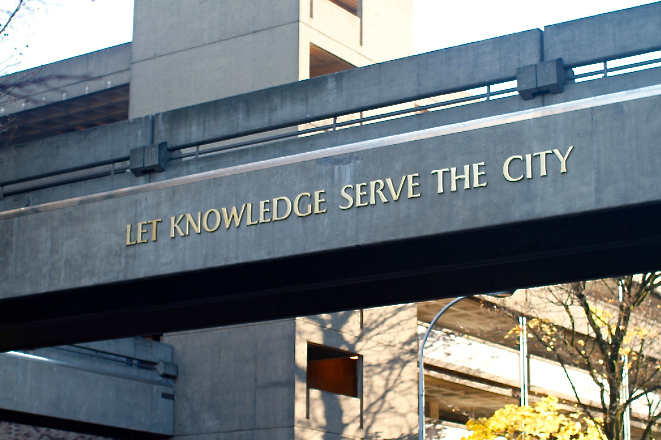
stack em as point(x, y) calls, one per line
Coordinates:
point(332, 370)
point(349, 5)
point(323, 63)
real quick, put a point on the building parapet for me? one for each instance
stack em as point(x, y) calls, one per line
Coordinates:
point(112, 388)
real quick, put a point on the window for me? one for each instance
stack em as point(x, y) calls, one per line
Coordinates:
point(323, 63)
point(334, 371)
point(349, 5)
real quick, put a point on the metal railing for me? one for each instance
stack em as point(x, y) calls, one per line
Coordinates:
point(491, 91)
point(481, 94)
point(603, 70)
point(336, 125)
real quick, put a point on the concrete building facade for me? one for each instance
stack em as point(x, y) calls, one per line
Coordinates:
point(249, 380)
point(220, 72)
point(211, 50)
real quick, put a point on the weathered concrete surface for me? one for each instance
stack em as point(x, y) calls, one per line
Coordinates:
point(381, 31)
point(69, 79)
point(352, 91)
point(607, 202)
point(298, 145)
point(254, 376)
point(184, 54)
point(244, 373)
point(214, 71)
point(105, 396)
point(179, 27)
point(387, 341)
point(606, 36)
point(238, 47)
point(613, 164)
point(73, 151)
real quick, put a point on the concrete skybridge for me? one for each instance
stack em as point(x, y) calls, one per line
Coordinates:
point(180, 220)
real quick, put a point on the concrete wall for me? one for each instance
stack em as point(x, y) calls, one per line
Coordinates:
point(345, 92)
point(464, 67)
point(606, 36)
point(387, 342)
point(255, 154)
point(112, 142)
point(387, 29)
point(185, 53)
point(210, 50)
point(249, 378)
point(596, 134)
point(102, 391)
point(235, 382)
point(59, 239)
point(73, 151)
point(68, 79)
point(381, 31)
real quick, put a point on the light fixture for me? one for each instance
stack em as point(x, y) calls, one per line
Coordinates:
point(354, 357)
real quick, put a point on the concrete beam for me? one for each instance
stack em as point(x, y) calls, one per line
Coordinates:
point(607, 201)
point(420, 76)
point(74, 151)
point(606, 36)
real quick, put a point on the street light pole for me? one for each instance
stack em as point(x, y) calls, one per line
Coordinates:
point(421, 378)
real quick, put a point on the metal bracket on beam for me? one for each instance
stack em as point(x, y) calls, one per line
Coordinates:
point(167, 369)
point(149, 159)
point(535, 79)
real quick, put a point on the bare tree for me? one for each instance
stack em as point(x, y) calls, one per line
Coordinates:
point(15, 18)
point(611, 329)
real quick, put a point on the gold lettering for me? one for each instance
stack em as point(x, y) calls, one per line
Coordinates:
point(506, 169)
point(141, 232)
point(190, 221)
point(359, 194)
point(318, 201)
point(128, 236)
point(477, 174)
point(297, 205)
point(411, 185)
point(542, 162)
point(346, 196)
point(275, 208)
point(528, 166)
point(205, 220)
point(263, 210)
point(249, 221)
point(154, 224)
point(454, 178)
point(175, 225)
point(395, 195)
point(374, 191)
point(440, 178)
point(233, 215)
point(563, 160)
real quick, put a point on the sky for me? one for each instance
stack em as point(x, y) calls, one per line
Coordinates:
point(60, 29)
